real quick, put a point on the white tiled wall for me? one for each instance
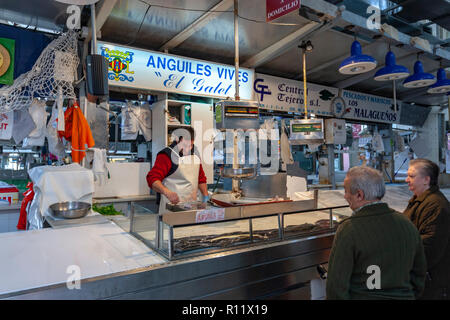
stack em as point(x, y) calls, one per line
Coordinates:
point(8, 221)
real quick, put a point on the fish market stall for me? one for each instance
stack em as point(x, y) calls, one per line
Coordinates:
point(260, 251)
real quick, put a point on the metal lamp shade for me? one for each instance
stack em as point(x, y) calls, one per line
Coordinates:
point(391, 71)
point(357, 62)
point(419, 78)
point(442, 85)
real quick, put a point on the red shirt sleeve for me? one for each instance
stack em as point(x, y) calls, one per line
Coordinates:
point(201, 175)
point(160, 169)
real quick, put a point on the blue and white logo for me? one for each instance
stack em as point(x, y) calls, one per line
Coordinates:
point(261, 89)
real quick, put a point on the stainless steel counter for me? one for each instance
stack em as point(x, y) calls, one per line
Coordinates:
point(124, 199)
point(64, 223)
point(273, 271)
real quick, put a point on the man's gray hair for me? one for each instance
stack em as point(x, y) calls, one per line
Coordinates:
point(368, 180)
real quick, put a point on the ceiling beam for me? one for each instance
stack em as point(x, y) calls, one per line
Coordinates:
point(364, 76)
point(414, 93)
point(304, 33)
point(103, 9)
point(281, 46)
point(361, 22)
point(198, 24)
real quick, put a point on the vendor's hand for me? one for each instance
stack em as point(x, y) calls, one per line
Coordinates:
point(173, 197)
point(205, 199)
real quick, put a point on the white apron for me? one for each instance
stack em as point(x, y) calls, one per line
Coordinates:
point(184, 181)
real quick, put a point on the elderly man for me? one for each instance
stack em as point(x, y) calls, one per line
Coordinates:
point(377, 253)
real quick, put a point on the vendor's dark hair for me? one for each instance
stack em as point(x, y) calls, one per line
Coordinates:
point(184, 133)
point(427, 168)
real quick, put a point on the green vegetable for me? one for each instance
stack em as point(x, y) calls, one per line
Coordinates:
point(106, 210)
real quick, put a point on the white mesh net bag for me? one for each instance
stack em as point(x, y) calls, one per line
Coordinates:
point(54, 72)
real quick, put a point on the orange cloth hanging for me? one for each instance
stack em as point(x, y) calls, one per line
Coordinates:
point(78, 132)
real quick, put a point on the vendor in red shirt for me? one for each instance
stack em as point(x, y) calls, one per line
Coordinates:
point(177, 173)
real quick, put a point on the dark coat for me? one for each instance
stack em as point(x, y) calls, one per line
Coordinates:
point(378, 236)
point(430, 213)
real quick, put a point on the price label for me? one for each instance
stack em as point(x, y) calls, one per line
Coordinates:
point(212, 214)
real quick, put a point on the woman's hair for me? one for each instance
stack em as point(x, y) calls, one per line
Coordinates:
point(368, 180)
point(427, 168)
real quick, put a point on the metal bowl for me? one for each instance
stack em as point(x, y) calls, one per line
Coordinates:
point(70, 209)
point(240, 173)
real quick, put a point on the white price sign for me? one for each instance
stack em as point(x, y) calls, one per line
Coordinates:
point(212, 214)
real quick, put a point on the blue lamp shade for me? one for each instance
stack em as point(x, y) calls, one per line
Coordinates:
point(391, 71)
point(419, 78)
point(357, 62)
point(442, 84)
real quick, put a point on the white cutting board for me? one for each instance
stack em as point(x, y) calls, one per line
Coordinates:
point(126, 179)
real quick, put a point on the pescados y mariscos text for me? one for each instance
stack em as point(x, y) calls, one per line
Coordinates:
point(204, 71)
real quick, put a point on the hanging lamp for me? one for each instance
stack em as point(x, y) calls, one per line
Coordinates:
point(357, 62)
point(442, 84)
point(391, 71)
point(420, 78)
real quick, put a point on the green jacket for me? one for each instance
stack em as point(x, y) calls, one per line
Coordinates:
point(376, 236)
point(430, 213)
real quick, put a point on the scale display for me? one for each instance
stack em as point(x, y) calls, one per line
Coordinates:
point(241, 111)
point(307, 127)
point(232, 114)
point(304, 131)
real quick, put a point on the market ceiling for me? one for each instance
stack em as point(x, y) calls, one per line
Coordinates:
point(204, 29)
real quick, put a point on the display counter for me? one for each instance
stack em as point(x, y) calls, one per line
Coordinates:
point(114, 264)
point(37, 259)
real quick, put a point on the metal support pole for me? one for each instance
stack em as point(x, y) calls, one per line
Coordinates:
point(392, 142)
point(316, 198)
point(116, 133)
point(281, 226)
point(395, 95)
point(94, 31)
point(304, 84)
point(131, 214)
point(448, 107)
point(331, 173)
point(250, 228)
point(158, 220)
point(170, 242)
point(236, 49)
point(235, 185)
point(331, 218)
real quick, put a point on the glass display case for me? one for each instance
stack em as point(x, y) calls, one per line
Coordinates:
point(190, 233)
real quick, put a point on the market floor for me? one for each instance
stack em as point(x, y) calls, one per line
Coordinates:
point(396, 196)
